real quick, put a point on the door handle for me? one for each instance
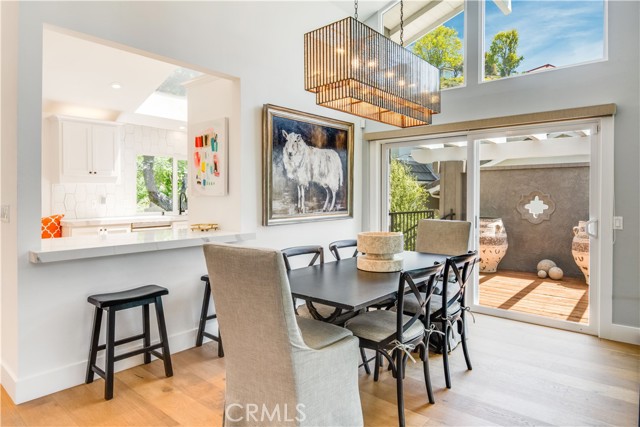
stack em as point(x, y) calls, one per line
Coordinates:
point(588, 228)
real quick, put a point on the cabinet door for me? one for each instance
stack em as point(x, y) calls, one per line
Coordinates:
point(104, 150)
point(76, 159)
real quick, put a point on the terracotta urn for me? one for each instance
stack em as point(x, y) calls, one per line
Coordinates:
point(580, 248)
point(493, 244)
point(381, 251)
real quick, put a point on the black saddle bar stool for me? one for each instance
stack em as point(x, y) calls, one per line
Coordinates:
point(112, 303)
point(204, 316)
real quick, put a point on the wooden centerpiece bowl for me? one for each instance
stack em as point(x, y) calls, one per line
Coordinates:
point(381, 251)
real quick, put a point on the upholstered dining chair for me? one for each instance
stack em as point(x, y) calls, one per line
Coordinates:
point(393, 334)
point(438, 236)
point(323, 312)
point(295, 371)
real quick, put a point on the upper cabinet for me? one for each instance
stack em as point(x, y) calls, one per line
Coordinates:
point(88, 150)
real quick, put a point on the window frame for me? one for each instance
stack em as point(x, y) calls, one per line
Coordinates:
point(174, 181)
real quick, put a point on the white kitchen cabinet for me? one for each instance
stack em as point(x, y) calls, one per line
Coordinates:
point(102, 230)
point(88, 150)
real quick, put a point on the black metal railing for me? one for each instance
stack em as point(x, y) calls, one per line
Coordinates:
point(407, 223)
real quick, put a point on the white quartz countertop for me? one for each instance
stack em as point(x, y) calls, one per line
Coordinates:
point(88, 222)
point(72, 248)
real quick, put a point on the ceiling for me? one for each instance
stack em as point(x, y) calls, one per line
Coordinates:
point(77, 76)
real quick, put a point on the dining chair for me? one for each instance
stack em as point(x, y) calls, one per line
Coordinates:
point(317, 311)
point(446, 237)
point(393, 334)
point(298, 371)
point(449, 307)
point(334, 247)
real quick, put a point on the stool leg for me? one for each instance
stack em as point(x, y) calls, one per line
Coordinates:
point(110, 349)
point(203, 313)
point(93, 347)
point(147, 334)
point(162, 328)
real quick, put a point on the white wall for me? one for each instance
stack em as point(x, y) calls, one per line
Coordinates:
point(260, 44)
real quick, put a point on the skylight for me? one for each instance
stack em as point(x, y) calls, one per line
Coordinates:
point(169, 99)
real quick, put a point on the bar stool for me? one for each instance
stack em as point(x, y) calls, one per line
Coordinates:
point(204, 317)
point(112, 303)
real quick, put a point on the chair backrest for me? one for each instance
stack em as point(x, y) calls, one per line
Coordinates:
point(460, 268)
point(420, 283)
point(438, 236)
point(317, 253)
point(334, 247)
point(256, 318)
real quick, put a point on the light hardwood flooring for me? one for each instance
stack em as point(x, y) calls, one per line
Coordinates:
point(566, 299)
point(522, 375)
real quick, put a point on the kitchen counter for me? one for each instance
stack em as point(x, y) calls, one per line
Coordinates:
point(71, 248)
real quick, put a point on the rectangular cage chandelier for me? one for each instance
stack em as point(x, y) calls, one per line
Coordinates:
point(353, 68)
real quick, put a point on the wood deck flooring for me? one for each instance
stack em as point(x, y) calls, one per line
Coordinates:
point(522, 375)
point(566, 299)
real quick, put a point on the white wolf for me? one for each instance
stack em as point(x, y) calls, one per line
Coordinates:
point(305, 164)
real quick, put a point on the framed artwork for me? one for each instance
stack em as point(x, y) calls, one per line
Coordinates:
point(209, 151)
point(307, 167)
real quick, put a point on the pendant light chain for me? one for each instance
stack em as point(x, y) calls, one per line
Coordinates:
point(356, 9)
point(401, 23)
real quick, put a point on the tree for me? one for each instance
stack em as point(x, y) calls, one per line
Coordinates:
point(442, 48)
point(407, 194)
point(504, 52)
point(490, 67)
point(154, 182)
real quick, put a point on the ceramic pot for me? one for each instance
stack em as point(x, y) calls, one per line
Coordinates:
point(493, 244)
point(381, 251)
point(580, 248)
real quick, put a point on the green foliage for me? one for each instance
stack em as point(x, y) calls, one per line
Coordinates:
point(442, 48)
point(446, 82)
point(406, 193)
point(503, 53)
point(161, 169)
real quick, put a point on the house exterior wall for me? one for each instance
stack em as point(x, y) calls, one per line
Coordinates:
point(500, 193)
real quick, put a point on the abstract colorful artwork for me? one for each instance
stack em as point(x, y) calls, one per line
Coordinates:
point(209, 157)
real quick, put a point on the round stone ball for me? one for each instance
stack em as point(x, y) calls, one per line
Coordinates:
point(542, 274)
point(555, 273)
point(545, 265)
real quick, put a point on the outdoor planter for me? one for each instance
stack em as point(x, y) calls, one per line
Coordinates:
point(493, 244)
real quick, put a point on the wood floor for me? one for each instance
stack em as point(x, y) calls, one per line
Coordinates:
point(522, 374)
point(566, 299)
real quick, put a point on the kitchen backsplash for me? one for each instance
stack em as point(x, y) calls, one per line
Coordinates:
point(92, 200)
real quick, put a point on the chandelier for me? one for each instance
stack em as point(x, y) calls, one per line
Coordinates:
point(353, 68)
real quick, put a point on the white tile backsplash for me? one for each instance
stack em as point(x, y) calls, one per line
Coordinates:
point(90, 200)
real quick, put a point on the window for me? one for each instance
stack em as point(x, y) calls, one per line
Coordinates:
point(161, 184)
point(541, 35)
point(433, 30)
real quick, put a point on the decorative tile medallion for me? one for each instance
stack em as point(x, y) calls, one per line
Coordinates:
point(536, 207)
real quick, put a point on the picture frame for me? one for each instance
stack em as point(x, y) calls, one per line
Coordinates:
point(208, 150)
point(307, 171)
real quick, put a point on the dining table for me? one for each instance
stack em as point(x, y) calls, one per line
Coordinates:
point(342, 285)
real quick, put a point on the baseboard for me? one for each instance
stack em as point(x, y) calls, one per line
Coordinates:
point(622, 333)
point(48, 382)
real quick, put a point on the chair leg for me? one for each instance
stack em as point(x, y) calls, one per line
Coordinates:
point(463, 336)
point(427, 375)
point(220, 348)
point(364, 361)
point(110, 351)
point(162, 327)
point(445, 355)
point(203, 313)
point(146, 333)
point(376, 368)
point(399, 376)
point(93, 348)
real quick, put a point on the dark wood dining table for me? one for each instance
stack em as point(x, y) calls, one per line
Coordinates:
point(340, 283)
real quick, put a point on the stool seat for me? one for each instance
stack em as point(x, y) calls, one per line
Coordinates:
point(127, 297)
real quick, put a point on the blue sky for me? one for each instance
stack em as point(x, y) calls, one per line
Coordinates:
point(551, 32)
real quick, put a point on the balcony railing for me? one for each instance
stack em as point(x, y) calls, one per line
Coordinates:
point(407, 223)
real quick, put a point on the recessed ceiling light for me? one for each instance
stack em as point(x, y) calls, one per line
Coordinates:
point(116, 85)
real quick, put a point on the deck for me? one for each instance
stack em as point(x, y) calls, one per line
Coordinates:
point(566, 299)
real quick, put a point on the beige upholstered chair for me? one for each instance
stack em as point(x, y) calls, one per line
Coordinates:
point(438, 236)
point(280, 370)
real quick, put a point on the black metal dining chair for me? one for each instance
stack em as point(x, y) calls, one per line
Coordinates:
point(393, 334)
point(334, 247)
point(322, 312)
